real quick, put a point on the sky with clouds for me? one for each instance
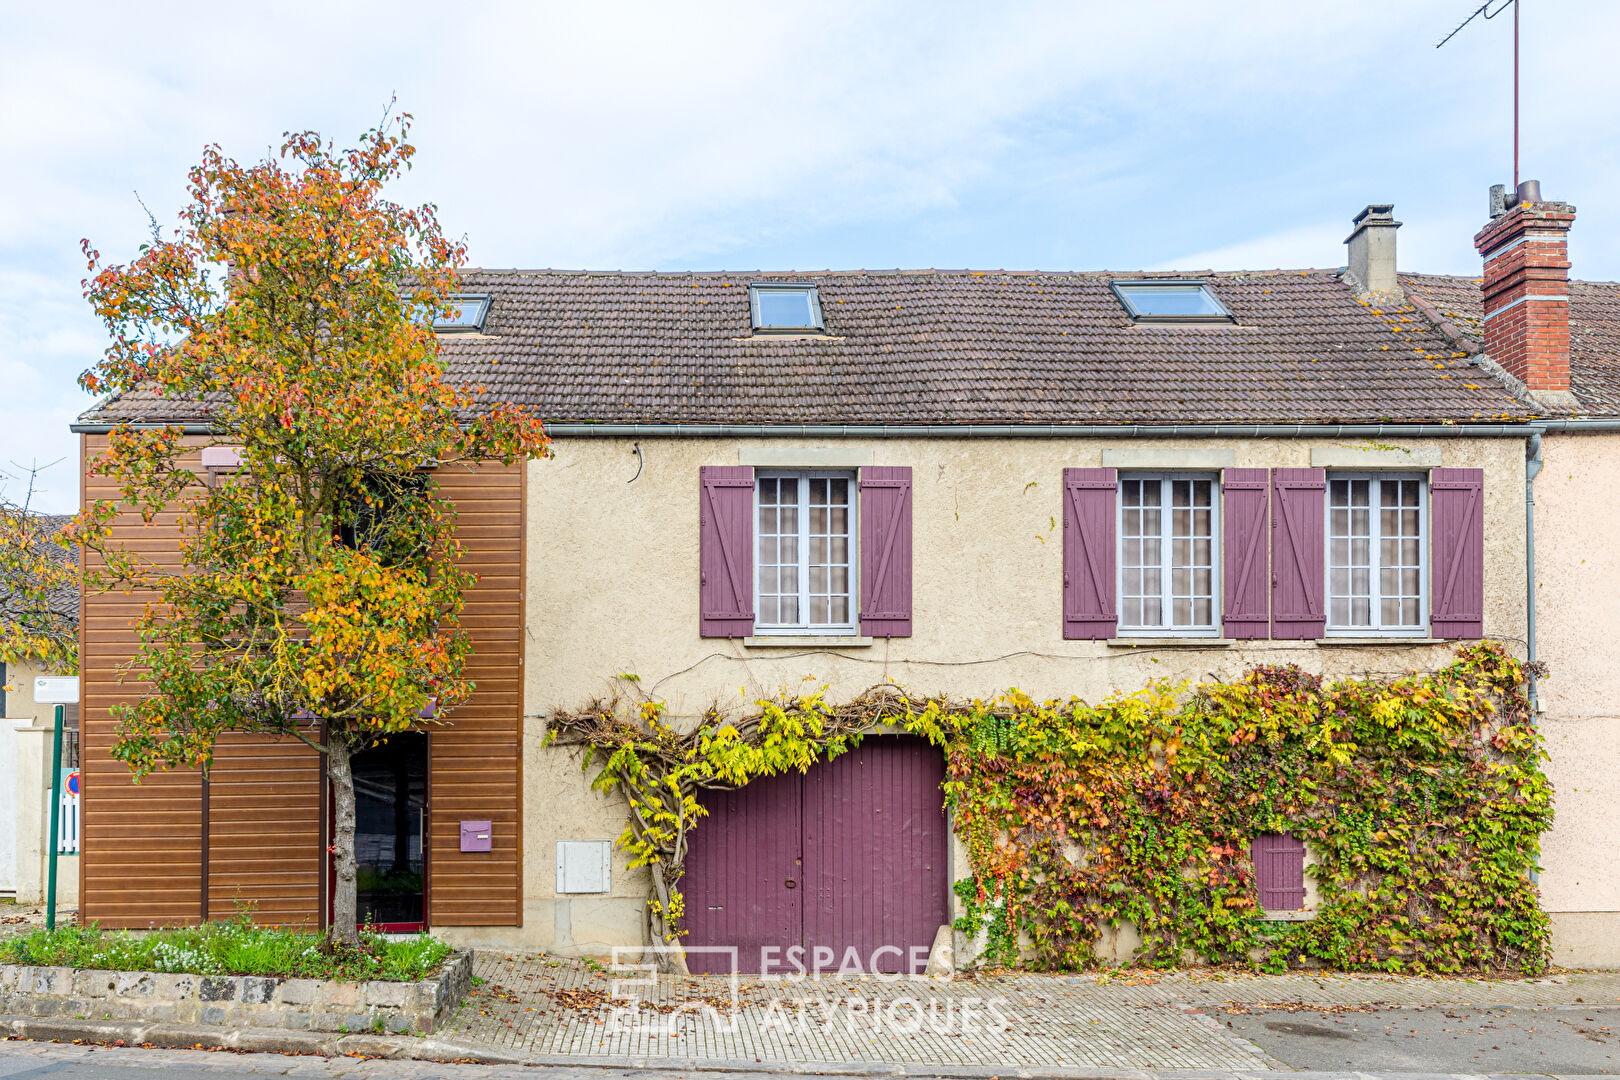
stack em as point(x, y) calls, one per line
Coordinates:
point(1079, 135)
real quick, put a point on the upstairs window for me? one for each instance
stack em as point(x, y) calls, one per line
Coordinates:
point(1167, 532)
point(468, 315)
point(786, 309)
point(805, 554)
point(1173, 300)
point(1376, 540)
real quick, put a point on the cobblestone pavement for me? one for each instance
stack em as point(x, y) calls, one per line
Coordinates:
point(549, 1007)
point(21, 918)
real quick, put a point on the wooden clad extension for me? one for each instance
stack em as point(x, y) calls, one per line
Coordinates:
point(475, 763)
point(140, 846)
point(175, 849)
point(265, 840)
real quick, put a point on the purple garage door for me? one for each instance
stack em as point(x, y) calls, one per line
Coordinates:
point(849, 856)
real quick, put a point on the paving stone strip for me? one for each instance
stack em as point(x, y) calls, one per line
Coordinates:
point(564, 1010)
point(565, 1014)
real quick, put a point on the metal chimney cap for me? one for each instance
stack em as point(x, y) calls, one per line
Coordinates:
point(1529, 191)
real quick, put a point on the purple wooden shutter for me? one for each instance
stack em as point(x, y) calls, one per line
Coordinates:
point(1088, 553)
point(1298, 499)
point(1279, 871)
point(725, 550)
point(885, 551)
point(1457, 563)
point(1243, 543)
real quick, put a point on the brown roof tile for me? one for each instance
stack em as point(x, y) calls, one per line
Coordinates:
point(944, 347)
point(1594, 331)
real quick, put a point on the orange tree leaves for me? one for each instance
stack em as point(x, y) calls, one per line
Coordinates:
point(39, 585)
point(288, 316)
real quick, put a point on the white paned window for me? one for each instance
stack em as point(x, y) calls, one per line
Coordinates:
point(1168, 555)
point(805, 556)
point(1377, 580)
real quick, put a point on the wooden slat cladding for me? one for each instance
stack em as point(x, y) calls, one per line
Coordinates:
point(140, 844)
point(264, 829)
point(475, 761)
point(143, 845)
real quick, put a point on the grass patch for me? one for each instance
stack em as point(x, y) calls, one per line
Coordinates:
point(237, 947)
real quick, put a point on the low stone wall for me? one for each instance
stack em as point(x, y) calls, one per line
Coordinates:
point(238, 1000)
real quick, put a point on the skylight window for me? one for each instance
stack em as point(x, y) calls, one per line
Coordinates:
point(1175, 300)
point(469, 313)
point(785, 309)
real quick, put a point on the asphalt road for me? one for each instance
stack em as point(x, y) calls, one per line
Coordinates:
point(1449, 1039)
point(1360, 1038)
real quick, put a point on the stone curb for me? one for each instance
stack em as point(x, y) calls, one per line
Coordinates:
point(251, 1039)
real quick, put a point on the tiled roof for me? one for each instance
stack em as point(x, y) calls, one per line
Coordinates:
point(1594, 330)
point(63, 602)
point(944, 347)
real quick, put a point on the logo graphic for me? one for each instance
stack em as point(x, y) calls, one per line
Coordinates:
point(802, 993)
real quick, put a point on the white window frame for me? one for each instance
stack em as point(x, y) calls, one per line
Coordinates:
point(817, 323)
point(806, 628)
point(475, 306)
point(1375, 556)
point(1213, 630)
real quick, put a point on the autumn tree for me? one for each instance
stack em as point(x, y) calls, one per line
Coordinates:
point(319, 590)
point(39, 584)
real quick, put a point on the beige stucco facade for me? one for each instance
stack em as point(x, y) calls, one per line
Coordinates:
point(612, 535)
point(1578, 636)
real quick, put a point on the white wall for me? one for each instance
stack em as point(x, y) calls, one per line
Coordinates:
point(1578, 636)
point(29, 726)
point(8, 800)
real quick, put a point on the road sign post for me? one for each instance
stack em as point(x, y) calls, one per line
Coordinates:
point(56, 821)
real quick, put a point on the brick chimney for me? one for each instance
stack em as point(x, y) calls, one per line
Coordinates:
point(1372, 253)
point(1526, 290)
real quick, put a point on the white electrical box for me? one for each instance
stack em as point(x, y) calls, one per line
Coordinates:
point(56, 689)
point(584, 866)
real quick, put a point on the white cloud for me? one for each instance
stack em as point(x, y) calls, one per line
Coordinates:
point(747, 134)
point(1290, 249)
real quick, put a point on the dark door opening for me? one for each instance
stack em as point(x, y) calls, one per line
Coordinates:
point(390, 797)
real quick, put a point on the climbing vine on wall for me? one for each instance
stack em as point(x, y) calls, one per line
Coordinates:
point(661, 768)
point(1422, 799)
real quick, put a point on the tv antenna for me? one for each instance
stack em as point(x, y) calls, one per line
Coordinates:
point(1484, 9)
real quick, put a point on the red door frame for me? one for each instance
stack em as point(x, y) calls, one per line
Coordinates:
point(427, 850)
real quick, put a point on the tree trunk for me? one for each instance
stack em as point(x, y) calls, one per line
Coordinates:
point(671, 957)
point(345, 914)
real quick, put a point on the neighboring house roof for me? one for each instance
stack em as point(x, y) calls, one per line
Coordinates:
point(1594, 330)
point(947, 347)
point(63, 602)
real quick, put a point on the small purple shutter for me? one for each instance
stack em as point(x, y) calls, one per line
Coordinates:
point(1298, 501)
point(1088, 553)
point(725, 550)
point(885, 551)
point(1457, 565)
point(1243, 541)
point(1279, 871)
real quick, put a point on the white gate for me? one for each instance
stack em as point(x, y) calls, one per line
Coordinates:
point(67, 836)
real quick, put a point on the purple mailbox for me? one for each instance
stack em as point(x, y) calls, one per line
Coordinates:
point(475, 836)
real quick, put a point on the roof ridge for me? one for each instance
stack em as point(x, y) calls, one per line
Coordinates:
point(902, 271)
point(1475, 279)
